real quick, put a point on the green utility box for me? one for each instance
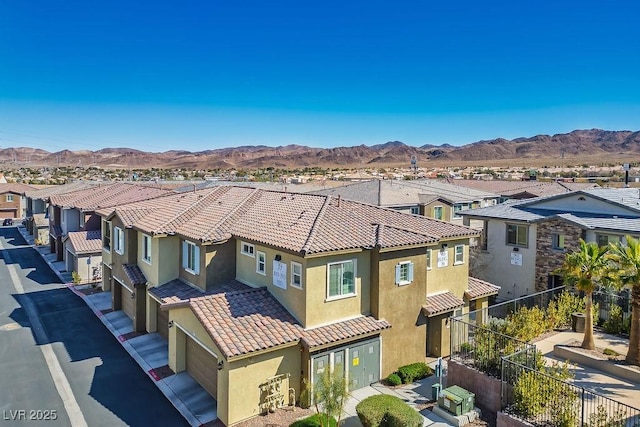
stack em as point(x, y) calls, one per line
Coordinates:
point(468, 398)
point(450, 402)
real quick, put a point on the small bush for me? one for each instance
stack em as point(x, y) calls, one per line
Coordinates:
point(414, 371)
point(394, 379)
point(613, 325)
point(387, 411)
point(610, 352)
point(466, 347)
point(75, 277)
point(314, 421)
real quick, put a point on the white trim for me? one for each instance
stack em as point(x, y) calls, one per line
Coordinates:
point(409, 265)
point(194, 338)
point(455, 261)
point(264, 262)
point(429, 256)
point(150, 260)
point(251, 253)
point(355, 283)
point(117, 240)
point(293, 285)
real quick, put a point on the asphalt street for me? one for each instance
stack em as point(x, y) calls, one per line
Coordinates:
point(59, 365)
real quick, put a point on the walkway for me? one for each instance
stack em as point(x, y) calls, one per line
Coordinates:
point(150, 351)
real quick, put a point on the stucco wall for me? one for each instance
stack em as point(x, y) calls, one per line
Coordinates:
point(446, 210)
point(12, 205)
point(453, 278)
point(200, 279)
point(220, 263)
point(164, 263)
point(487, 389)
point(494, 265)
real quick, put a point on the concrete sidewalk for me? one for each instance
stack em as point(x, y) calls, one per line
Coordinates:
point(150, 351)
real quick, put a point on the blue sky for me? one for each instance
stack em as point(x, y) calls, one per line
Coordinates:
point(198, 75)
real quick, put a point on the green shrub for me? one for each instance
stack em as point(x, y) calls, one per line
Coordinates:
point(387, 411)
point(315, 421)
point(466, 347)
point(610, 352)
point(394, 379)
point(75, 277)
point(414, 371)
point(613, 325)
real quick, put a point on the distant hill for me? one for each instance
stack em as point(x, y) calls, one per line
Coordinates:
point(596, 144)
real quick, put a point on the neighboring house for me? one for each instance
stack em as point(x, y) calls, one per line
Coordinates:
point(523, 243)
point(12, 201)
point(254, 287)
point(38, 207)
point(518, 190)
point(84, 254)
point(431, 198)
point(74, 211)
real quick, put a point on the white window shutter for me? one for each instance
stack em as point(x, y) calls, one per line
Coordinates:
point(398, 273)
point(410, 278)
point(185, 255)
point(196, 255)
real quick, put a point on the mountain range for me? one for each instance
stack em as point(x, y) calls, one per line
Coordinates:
point(580, 145)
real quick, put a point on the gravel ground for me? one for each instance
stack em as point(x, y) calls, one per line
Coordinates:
point(279, 418)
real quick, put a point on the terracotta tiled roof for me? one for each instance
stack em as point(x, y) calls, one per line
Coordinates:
point(245, 321)
point(15, 187)
point(300, 223)
point(177, 290)
point(441, 303)
point(134, 274)
point(107, 195)
point(479, 288)
point(55, 230)
point(46, 193)
point(86, 242)
point(344, 330)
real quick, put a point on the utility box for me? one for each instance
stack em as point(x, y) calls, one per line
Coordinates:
point(468, 398)
point(450, 402)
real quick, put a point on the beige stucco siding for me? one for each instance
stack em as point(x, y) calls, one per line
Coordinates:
point(220, 261)
point(320, 309)
point(452, 277)
point(164, 253)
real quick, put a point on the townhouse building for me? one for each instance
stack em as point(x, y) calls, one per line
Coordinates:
point(75, 229)
point(258, 291)
point(524, 243)
point(12, 201)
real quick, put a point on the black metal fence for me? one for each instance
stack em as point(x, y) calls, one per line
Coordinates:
point(545, 400)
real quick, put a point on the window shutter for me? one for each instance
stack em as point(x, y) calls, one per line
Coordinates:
point(185, 255)
point(398, 273)
point(196, 255)
point(410, 278)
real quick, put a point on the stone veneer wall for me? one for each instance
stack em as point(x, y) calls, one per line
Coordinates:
point(548, 259)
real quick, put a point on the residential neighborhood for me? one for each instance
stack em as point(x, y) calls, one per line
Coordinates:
point(243, 297)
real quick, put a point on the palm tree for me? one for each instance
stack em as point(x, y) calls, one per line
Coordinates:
point(585, 269)
point(627, 260)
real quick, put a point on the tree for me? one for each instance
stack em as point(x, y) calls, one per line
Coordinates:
point(585, 269)
point(626, 257)
point(330, 393)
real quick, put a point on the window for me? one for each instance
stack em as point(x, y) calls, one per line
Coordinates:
point(118, 240)
point(484, 236)
point(82, 219)
point(296, 275)
point(459, 255)
point(428, 259)
point(415, 210)
point(146, 248)
point(261, 263)
point(517, 235)
point(247, 249)
point(459, 207)
point(190, 257)
point(9, 197)
point(437, 212)
point(342, 279)
point(106, 241)
point(605, 239)
point(404, 273)
point(557, 241)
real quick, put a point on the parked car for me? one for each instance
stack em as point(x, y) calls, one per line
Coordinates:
point(7, 221)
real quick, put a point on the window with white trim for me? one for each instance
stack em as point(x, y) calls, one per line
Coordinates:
point(82, 219)
point(605, 239)
point(190, 257)
point(296, 274)
point(247, 249)
point(459, 255)
point(459, 207)
point(517, 235)
point(261, 263)
point(557, 241)
point(146, 248)
point(415, 210)
point(428, 259)
point(437, 212)
point(341, 279)
point(9, 197)
point(118, 240)
point(404, 273)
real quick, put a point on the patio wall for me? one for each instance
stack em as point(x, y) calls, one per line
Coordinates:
point(486, 388)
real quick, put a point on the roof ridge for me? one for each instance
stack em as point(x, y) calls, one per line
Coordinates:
point(229, 214)
point(314, 227)
point(193, 206)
